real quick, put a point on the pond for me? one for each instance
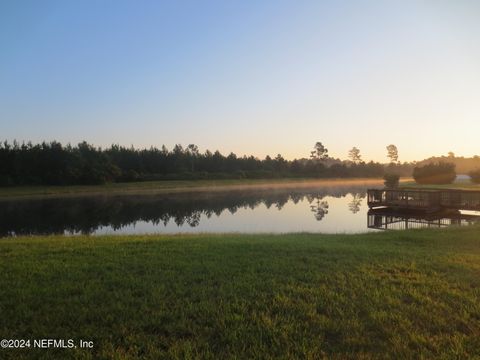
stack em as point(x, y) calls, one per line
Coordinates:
point(327, 209)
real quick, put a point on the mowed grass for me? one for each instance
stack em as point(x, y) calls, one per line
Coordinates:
point(458, 184)
point(397, 295)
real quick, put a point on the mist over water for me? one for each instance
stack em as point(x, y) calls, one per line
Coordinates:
point(327, 209)
point(319, 209)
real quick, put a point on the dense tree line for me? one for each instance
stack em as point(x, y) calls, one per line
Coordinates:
point(56, 164)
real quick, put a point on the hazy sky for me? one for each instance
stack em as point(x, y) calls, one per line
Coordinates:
point(252, 77)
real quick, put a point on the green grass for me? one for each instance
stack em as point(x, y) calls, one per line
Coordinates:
point(459, 184)
point(398, 295)
point(166, 186)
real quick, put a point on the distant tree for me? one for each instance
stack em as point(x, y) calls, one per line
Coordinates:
point(441, 173)
point(178, 149)
point(232, 162)
point(354, 155)
point(279, 158)
point(319, 152)
point(280, 163)
point(451, 154)
point(391, 180)
point(193, 150)
point(392, 153)
point(193, 153)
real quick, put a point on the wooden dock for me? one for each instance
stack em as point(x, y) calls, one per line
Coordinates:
point(430, 200)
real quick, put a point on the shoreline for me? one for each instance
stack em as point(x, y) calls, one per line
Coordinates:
point(180, 186)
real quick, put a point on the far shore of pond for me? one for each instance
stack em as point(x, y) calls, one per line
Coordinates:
point(175, 186)
point(178, 186)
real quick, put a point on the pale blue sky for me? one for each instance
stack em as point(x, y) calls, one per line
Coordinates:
point(252, 77)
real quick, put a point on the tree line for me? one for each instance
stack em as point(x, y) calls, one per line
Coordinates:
point(51, 163)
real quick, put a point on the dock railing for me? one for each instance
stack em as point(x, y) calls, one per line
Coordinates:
point(426, 199)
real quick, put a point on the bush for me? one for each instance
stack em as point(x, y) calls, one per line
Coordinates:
point(475, 176)
point(391, 180)
point(441, 173)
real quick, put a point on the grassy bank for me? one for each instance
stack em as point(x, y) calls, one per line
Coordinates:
point(174, 186)
point(385, 295)
point(461, 185)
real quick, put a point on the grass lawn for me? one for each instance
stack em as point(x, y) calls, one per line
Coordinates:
point(397, 295)
point(459, 184)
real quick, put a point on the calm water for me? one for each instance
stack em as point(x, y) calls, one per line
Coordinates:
point(337, 209)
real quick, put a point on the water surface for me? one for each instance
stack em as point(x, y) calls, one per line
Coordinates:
point(326, 209)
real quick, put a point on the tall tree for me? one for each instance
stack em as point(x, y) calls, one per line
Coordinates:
point(354, 154)
point(392, 153)
point(319, 152)
point(193, 153)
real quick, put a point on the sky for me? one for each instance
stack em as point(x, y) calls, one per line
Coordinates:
point(244, 76)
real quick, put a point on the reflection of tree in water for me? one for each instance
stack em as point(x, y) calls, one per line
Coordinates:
point(319, 208)
point(356, 202)
point(87, 214)
point(296, 198)
point(194, 219)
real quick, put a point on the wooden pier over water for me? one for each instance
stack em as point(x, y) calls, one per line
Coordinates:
point(430, 200)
